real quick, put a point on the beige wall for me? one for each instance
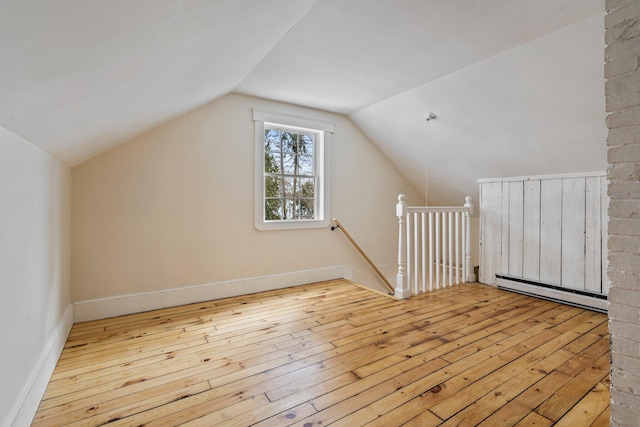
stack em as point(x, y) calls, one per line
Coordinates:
point(174, 207)
point(35, 298)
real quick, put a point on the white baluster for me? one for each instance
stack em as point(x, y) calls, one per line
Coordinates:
point(448, 247)
point(444, 249)
point(457, 214)
point(430, 251)
point(437, 240)
point(450, 233)
point(423, 250)
point(402, 286)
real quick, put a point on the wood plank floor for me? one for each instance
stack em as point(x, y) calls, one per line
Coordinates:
point(334, 353)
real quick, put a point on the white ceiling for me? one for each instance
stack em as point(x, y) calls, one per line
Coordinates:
point(79, 77)
point(358, 52)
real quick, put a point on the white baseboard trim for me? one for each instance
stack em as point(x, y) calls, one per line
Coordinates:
point(102, 308)
point(26, 405)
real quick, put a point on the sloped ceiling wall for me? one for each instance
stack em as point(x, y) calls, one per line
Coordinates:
point(516, 84)
point(79, 77)
point(534, 109)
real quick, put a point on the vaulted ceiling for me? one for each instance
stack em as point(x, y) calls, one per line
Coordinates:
point(79, 77)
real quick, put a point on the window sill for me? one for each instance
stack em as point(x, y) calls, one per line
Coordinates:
point(291, 225)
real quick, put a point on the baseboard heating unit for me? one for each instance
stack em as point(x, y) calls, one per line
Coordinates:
point(574, 297)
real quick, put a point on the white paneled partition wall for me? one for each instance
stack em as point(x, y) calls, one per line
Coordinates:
point(546, 235)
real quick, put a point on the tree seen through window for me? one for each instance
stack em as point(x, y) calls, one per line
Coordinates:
point(289, 175)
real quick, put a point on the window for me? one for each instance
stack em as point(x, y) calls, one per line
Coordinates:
point(292, 172)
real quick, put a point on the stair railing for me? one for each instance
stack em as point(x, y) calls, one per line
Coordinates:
point(364, 255)
point(434, 247)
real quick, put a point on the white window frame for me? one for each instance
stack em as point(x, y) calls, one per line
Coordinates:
point(322, 155)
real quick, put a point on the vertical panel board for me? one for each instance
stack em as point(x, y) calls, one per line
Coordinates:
point(491, 231)
point(409, 255)
point(531, 232)
point(573, 230)
point(593, 236)
point(423, 250)
point(604, 226)
point(416, 254)
point(516, 223)
point(487, 235)
point(444, 248)
point(496, 189)
point(503, 268)
point(550, 231)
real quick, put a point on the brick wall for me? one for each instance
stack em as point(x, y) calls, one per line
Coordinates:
point(622, 88)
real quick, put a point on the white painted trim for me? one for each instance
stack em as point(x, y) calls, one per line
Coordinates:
point(428, 209)
point(548, 176)
point(556, 295)
point(323, 172)
point(135, 303)
point(292, 120)
point(26, 405)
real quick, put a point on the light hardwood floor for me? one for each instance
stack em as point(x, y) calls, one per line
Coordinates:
point(335, 353)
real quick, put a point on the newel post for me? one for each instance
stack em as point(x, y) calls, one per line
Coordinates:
point(402, 284)
point(471, 277)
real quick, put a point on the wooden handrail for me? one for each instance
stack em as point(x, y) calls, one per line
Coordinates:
point(359, 249)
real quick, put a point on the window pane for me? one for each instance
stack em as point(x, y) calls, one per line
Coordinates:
point(289, 209)
point(272, 187)
point(290, 180)
point(272, 140)
point(307, 187)
point(273, 209)
point(288, 141)
point(305, 208)
point(306, 144)
point(296, 164)
point(290, 187)
point(305, 165)
point(272, 162)
point(290, 163)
